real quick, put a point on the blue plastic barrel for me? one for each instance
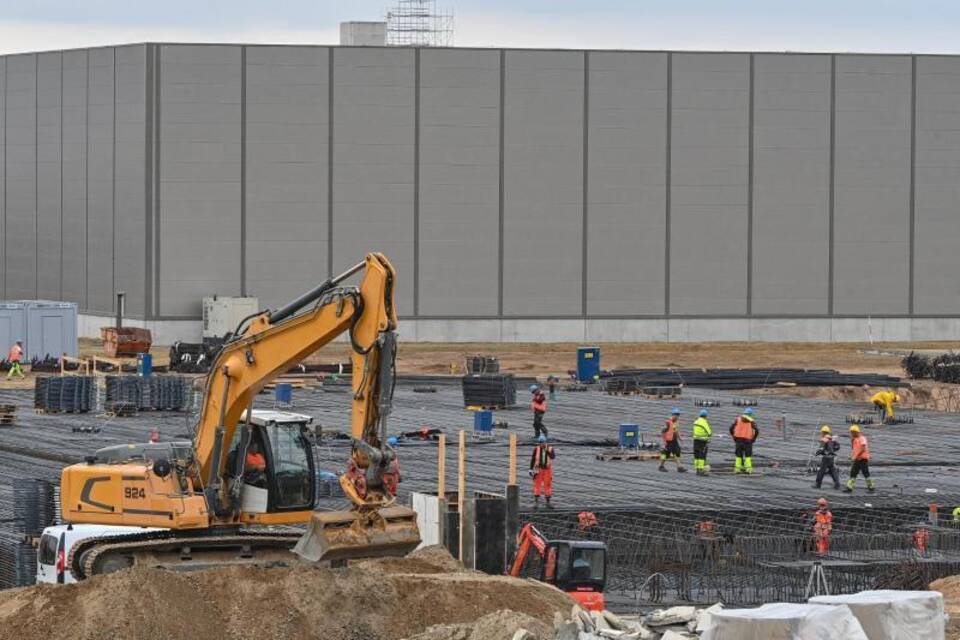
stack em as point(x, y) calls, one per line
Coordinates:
point(629, 435)
point(588, 363)
point(284, 393)
point(483, 421)
point(145, 364)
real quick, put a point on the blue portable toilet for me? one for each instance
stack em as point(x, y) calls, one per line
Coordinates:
point(483, 422)
point(144, 365)
point(284, 393)
point(629, 435)
point(588, 363)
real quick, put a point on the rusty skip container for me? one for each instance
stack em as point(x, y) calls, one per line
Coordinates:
point(125, 341)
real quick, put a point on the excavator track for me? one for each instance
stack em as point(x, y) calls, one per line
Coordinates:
point(182, 552)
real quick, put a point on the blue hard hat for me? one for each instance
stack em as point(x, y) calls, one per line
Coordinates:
point(703, 413)
point(392, 441)
point(534, 387)
point(748, 412)
point(675, 411)
point(542, 438)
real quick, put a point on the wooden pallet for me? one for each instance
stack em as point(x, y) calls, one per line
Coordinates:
point(477, 407)
point(7, 419)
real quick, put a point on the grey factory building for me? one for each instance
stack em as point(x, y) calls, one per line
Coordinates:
point(532, 195)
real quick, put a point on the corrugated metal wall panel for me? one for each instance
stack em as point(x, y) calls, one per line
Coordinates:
point(130, 177)
point(709, 175)
point(100, 181)
point(791, 184)
point(3, 182)
point(626, 202)
point(373, 160)
point(286, 171)
point(199, 175)
point(459, 182)
point(872, 174)
point(49, 154)
point(74, 257)
point(21, 172)
point(543, 183)
point(936, 285)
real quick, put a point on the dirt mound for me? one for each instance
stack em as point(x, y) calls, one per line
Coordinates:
point(500, 625)
point(383, 599)
point(950, 588)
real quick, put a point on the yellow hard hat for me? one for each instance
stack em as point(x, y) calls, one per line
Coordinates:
point(825, 429)
point(854, 428)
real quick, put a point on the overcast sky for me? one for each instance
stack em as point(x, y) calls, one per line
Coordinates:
point(923, 26)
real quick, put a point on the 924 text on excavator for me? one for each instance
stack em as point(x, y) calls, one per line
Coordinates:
point(198, 492)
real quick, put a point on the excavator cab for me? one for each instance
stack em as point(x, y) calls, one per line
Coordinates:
point(579, 568)
point(288, 480)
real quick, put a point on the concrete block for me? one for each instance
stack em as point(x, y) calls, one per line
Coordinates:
point(790, 330)
point(709, 330)
point(452, 330)
point(633, 330)
point(870, 329)
point(935, 328)
point(542, 330)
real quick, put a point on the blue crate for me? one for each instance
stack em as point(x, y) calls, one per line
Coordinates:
point(588, 363)
point(629, 435)
point(483, 422)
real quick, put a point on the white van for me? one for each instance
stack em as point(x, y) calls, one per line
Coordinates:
point(56, 542)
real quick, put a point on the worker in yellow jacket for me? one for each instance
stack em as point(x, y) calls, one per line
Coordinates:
point(883, 402)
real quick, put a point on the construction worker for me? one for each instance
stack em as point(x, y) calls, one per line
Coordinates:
point(701, 439)
point(541, 470)
point(828, 453)
point(822, 526)
point(860, 459)
point(883, 402)
point(254, 466)
point(539, 406)
point(671, 441)
point(15, 357)
point(744, 432)
point(956, 516)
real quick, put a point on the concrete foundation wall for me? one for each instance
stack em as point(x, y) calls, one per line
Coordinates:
point(521, 194)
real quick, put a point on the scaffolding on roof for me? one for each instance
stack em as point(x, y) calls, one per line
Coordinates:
point(418, 23)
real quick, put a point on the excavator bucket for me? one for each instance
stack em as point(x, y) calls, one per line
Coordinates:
point(348, 535)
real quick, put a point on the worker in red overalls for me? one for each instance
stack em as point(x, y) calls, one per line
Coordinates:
point(541, 470)
point(822, 526)
point(15, 357)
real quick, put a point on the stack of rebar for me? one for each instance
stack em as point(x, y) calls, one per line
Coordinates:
point(489, 391)
point(67, 394)
point(735, 379)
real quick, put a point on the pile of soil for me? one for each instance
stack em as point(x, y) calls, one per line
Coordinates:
point(386, 599)
point(500, 625)
point(950, 588)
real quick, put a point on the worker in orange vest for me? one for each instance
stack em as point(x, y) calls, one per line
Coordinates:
point(254, 466)
point(671, 441)
point(539, 406)
point(822, 526)
point(744, 431)
point(541, 470)
point(15, 357)
point(860, 459)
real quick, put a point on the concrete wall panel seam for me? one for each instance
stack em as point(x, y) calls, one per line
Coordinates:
point(913, 184)
point(243, 171)
point(416, 182)
point(502, 126)
point(750, 135)
point(668, 180)
point(585, 227)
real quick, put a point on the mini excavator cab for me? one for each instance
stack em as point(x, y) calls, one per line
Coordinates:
point(577, 567)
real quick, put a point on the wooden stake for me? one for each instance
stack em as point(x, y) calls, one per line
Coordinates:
point(442, 466)
point(513, 459)
point(462, 486)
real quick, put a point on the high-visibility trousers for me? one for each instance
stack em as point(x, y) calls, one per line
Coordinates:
point(543, 482)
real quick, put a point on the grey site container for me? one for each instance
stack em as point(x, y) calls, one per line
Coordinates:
point(46, 327)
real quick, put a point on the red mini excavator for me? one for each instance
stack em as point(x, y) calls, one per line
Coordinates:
point(577, 567)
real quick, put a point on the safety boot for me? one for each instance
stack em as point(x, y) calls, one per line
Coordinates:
point(662, 468)
point(549, 506)
point(536, 503)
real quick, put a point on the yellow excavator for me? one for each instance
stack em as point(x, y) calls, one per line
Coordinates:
point(202, 504)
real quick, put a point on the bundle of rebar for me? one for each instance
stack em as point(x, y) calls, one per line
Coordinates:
point(735, 379)
point(489, 391)
point(68, 394)
point(942, 368)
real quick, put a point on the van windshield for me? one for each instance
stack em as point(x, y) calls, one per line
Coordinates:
point(48, 549)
